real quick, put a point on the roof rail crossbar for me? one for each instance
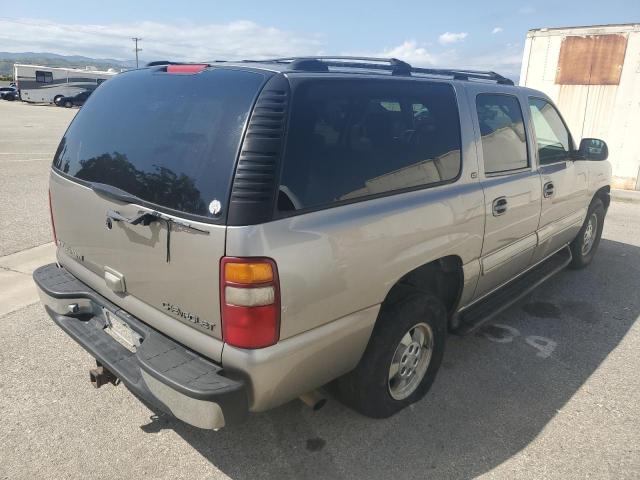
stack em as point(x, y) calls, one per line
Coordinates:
point(333, 57)
point(395, 66)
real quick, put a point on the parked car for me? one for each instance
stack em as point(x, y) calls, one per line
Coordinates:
point(9, 93)
point(292, 224)
point(74, 100)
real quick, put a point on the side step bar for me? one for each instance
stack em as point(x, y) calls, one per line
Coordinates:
point(479, 313)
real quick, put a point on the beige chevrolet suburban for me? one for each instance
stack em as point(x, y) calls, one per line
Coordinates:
point(232, 236)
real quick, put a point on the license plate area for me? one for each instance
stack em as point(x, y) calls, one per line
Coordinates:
point(122, 333)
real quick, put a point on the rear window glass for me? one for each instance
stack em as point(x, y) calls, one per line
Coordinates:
point(350, 139)
point(169, 139)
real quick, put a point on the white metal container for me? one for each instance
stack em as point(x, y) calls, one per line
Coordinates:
point(593, 75)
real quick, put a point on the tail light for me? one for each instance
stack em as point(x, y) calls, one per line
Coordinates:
point(250, 299)
point(53, 224)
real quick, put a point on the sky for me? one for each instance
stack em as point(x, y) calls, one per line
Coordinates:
point(461, 33)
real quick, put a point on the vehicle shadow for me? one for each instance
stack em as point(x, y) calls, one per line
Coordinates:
point(495, 393)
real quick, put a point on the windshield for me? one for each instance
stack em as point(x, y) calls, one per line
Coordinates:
point(169, 139)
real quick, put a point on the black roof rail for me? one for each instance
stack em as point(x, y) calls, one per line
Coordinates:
point(465, 74)
point(393, 65)
point(309, 65)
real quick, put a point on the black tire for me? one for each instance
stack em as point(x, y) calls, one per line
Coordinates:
point(366, 389)
point(582, 250)
point(68, 104)
point(56, 99)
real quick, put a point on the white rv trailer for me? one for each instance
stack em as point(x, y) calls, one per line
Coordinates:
point(42, 84)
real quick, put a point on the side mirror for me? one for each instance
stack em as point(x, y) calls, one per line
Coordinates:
point(593, 149)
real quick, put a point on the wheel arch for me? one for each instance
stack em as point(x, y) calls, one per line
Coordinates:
point(604, 194)
point(443, 277)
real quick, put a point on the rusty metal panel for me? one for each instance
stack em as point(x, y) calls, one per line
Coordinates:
point(574, 64)
point(608, 58)
point(591, 60)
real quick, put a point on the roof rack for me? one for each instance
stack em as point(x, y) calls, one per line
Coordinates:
point(393, 65)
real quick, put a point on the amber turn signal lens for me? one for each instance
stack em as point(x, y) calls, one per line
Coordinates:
point(248, 273)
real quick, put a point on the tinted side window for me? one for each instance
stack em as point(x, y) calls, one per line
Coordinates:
point(44, 77)
point(504, 143)
point(552, 136)
point(349, 139)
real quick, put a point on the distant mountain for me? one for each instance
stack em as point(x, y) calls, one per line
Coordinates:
point(7, 59)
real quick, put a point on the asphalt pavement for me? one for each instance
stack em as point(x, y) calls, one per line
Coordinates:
point(550, 390)
point(29, 136)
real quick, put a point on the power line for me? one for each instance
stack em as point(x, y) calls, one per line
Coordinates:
point(136, 49)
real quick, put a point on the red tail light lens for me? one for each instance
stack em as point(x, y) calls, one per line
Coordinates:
point(250, 299)
point(53, 224)
point(192, 68)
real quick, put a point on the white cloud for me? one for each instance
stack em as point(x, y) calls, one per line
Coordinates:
point(410, 51)
point(178, 40)
point(496, 30)
point(505, 60)
point(448, 38)
point(235, 40)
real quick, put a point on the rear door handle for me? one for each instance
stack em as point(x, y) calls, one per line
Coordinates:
point(499, 206)
point(548, 190)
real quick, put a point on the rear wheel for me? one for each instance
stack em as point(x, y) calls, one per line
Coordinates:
point(402, 358)
point(584, 246)
point(68, 104)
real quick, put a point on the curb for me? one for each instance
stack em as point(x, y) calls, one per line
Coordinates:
point(627, 196)
point(17, 289)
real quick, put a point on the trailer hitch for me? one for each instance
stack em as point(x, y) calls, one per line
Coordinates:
point(100, 376)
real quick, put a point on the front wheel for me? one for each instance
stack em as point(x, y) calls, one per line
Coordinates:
point(584, 246)
point(56, 99)
point(402, 358)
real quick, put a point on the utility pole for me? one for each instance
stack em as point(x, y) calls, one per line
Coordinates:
point(136, 39)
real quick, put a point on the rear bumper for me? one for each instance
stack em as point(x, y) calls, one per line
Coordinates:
point(163, 373)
